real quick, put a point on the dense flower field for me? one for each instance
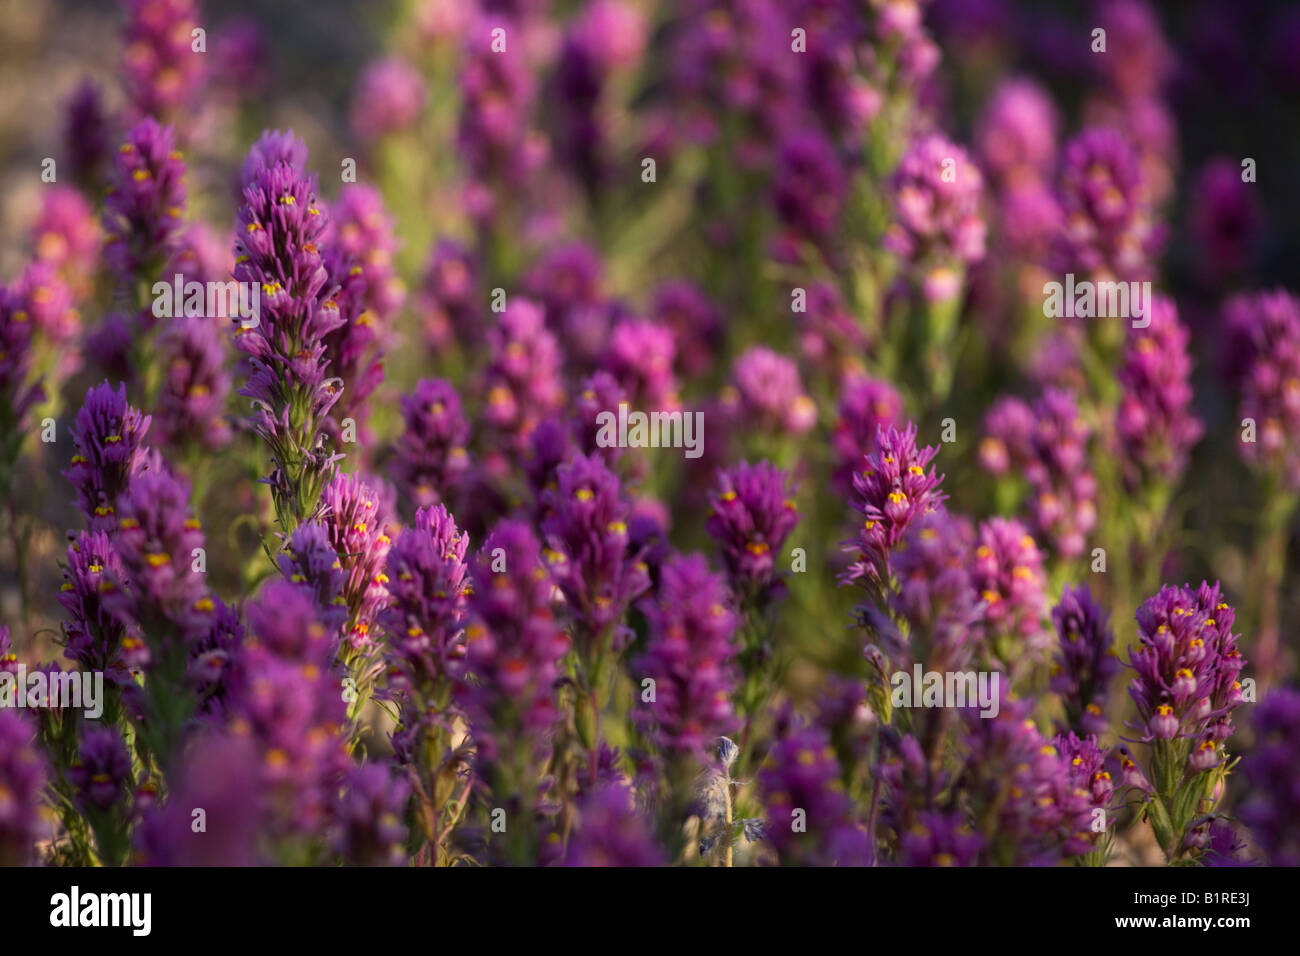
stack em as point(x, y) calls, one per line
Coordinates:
point(710, 432)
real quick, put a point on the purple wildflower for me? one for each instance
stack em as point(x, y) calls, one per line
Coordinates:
point(1108, 217)
point(279, 227)
point(586, 533)
point(753, 513)
point(1017, 134)
point(428, 588)
point(1085, 660)
point(1186, 667)
point(368, 816)
point(23, 774)
point(1008, 576)
point(937, 194)
point(192, 400)
point(1062, 489)
point(358, 517)
point(1154, 422)
point(272, 148)
point(108, 437)
point(801, 784)
point(362, 228)
point(1272, 812)
point(310, 559)
point(161, 594)
point(389, 98)
point(696, 324)
point(146, 202)
point(521, 383)
point(866, 407)
point(449, 298)
point(1085, 765)
point(611, 831)
point(690, 654)
point(768, 395)
point(1021, 790)
point(431, 456)
point(513, 644)
point(67, 236)
point(640, 356)
point(935, 598)
point(1226, 219)
point(163, 72)
point(93, 633)
point(85, 134)
point(809, 188)
point(1263, 364)
point(17, 392)
point(891, 488)
point(102, 772)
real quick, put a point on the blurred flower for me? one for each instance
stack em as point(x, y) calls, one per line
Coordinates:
point(809, 188)
point(611, 831)
point(521, 384)
point(1263, 364)
point(448, 297)
point(809, 817)
point(1008, 576)
point(767, 394)
point(1062, 487)
point(1226, 219)
point(102, 773)
point(690, 655)
point(1155, 424)
point(695, 322)
point(1085, 660)
point(1272, 810)
point(368, 815)
point(1017, 132)
point(66, 235)
point(390, 97)
point(163, 71)
point(430, 455)
point(937, 193)
point(513, 644)
point(23, 775)
point(587, 547)
point(753, 513)
point(1109, 230)
point(85, 134)
point(192, 400)
point(640, 355)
